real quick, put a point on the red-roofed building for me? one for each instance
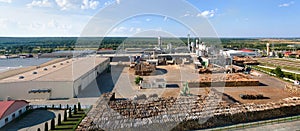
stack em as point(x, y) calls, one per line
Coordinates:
point(9, 110)
point(246, 50)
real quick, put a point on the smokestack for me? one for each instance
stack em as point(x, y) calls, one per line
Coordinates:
point(197, 43)
point(159, 42)
point(188, 43)
point(268, 49)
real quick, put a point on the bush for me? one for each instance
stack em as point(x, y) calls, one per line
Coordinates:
point(280, 55)
point(75, 109)
point(70, 113)
point(65, 115)
point(59, 119)
point(138, 79)
point(52, 124)
point(79, 106)
point(46, 127)
point(278, 72)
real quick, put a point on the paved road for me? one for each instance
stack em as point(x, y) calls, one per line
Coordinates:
point(289, 126)
point(32, 121)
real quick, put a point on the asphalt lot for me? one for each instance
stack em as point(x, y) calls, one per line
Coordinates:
point(32, 121)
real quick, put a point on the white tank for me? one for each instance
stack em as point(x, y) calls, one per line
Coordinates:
point(192, 44)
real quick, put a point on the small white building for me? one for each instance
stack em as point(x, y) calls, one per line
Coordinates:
point(156, 83)
point(159, 83)
point(10, 110)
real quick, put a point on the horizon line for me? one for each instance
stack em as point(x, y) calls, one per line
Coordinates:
point(253, 37)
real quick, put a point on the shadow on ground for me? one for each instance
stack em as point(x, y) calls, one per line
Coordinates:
point(172, 86)
point(104, 83)
point(159, 71)
point(29, 119)
point(262, 84)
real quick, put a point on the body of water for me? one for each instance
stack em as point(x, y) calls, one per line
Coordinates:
point(7, 64)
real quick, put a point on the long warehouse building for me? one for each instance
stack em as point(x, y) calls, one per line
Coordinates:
point(64, 79)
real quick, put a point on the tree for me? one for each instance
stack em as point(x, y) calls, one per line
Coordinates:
point(278, 72)
point(59, 119)
point(70, 112)
point(75, 109)
point(79, 106)
point(65, 115)
point(138, 79)
point(280, 55)
point(52, 124)
point(46, 127)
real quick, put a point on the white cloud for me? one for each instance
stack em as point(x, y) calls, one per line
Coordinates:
point(89, 4)
point(137, 30)
point(148, 19)
point(118, 1)
point(68, 4)
point(207, 13)
point(286, 4)
point(187, 14)
point(125, 31)
point(39, 3)
point(5, 23)
point(108, 3)
point(39, 23)
point(77, 4)
point(119, 29)
point(166, 18)
point(6, 1)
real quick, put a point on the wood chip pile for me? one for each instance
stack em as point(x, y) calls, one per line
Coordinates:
point(224, 80)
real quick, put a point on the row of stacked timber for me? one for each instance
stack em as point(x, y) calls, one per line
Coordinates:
point(110, 114)
point(224, 80)
point(144, 69)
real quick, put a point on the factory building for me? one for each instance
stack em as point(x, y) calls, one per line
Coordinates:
point(56, 81)
point(243, 52)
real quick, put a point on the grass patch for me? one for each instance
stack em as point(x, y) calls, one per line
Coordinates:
point(286, 74)
point(71, 123)
point(68, 122)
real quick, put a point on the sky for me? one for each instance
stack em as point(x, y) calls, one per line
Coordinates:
point(227, 18)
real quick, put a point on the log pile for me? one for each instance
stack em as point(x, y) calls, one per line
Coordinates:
point(222, 80)
point(144, 69)
point(142, 109)
point(204, 71)
point(293, 89)
point(126, 114)
point(247, 60)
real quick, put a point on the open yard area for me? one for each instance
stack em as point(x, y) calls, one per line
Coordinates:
point(270, 87)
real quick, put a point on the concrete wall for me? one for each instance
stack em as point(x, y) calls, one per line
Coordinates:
point(20, 90)
point(59, 89)
point(85, 80)
point(10, 116)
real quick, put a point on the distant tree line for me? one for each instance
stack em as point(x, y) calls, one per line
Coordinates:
point(12, 45)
